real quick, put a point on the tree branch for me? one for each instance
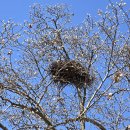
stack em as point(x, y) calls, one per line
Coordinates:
point(93, 96)
point(87, 119)
point(99, 125)
point(36, 111)
point(3, 127)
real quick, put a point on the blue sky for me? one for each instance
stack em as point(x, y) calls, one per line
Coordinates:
point(18, 10)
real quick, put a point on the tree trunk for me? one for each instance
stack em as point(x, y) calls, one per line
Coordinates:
point(82, 122)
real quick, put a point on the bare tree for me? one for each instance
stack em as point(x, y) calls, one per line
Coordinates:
point(57, 76)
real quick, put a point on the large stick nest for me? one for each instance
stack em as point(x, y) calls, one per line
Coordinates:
point(70, 72)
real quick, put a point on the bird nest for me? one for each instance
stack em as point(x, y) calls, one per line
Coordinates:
point(70, 72)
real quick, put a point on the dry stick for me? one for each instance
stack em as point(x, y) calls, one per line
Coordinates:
point(106, 76)
point(59, 36)
point(100, 96)
point(36, 111)
point(94, 94)
point(87, 119)
point(3, 127)
point(95, 123)
point(89, 103)
point(46, 87)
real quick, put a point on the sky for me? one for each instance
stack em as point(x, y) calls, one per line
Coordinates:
point(18, 10)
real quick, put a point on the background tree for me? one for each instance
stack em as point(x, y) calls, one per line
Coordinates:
point(33, 97)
